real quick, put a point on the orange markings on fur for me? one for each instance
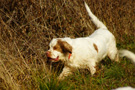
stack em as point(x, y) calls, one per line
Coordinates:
point(95, 46)
point(57, 47)
point(48, 53)
point(63, 46)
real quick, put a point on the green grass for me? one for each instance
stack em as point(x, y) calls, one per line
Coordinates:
point(111, 76)
point(51, 84)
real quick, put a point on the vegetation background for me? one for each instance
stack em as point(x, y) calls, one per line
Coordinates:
point(27, 27)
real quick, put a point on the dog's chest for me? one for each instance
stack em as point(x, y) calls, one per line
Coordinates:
point(77, 65)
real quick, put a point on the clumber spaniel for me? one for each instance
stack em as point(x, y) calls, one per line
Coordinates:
point(124, 88)
point(86, 52)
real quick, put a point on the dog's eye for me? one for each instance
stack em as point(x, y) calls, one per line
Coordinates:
point(55, 48)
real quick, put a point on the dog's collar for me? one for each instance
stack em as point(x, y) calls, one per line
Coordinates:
point(69, 55)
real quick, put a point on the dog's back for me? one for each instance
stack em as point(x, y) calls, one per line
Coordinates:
point(104, 32)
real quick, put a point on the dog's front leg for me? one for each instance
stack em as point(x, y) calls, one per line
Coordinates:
point(66, 71)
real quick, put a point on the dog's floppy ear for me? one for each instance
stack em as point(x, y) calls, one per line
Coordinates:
point(66, 47)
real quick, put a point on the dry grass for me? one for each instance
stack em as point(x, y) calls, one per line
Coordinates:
point(27, 26)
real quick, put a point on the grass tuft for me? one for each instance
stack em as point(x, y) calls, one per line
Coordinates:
point(115, 72)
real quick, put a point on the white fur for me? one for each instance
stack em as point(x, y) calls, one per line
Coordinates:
point(95, 20)
point(128, 54)
point(124, 88)
point(84, 54)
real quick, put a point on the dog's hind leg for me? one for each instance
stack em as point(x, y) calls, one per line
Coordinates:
point(113, 54)
point(91, 68)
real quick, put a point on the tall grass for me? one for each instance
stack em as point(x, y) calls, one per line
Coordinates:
point(27, 27)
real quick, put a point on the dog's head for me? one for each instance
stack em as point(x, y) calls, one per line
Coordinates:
point(59, 50)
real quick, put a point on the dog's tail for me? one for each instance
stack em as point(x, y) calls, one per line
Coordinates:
point(94, 19)
point(127, 54)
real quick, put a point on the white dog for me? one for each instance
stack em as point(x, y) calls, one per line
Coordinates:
point(86, 52)
point(124, 88)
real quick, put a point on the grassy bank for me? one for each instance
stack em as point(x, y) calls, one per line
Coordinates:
point(27, 27)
